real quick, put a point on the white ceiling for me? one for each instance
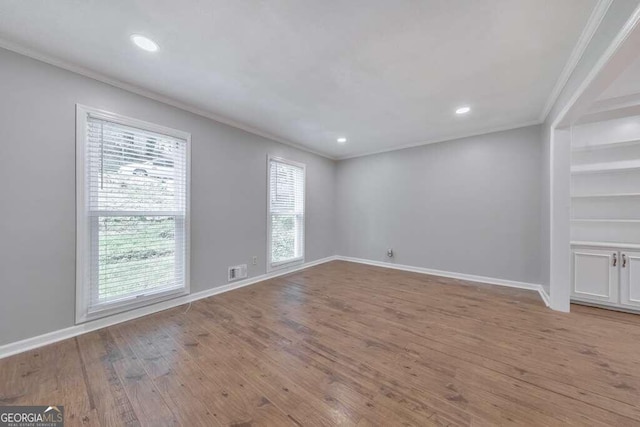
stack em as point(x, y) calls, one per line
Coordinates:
point(385, 74)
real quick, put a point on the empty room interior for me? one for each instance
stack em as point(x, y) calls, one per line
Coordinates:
point(320, 213)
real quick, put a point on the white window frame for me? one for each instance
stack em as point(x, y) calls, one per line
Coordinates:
point(83, 226)
point(271, 266)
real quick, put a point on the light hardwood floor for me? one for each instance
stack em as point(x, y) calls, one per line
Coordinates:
point(345, 344)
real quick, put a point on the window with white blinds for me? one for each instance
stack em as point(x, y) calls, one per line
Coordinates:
point(286, 213)
point(133, 192)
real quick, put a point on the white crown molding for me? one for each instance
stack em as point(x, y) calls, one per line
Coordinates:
point(594, 21)
point(72, 331)
point(604, 59)
point(445, 139)
point(452, 275)
point(592, 24)
point(83, 71)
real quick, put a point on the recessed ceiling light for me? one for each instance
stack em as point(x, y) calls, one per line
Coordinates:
point(144, 43)
point(342, 140)
point(463, 110)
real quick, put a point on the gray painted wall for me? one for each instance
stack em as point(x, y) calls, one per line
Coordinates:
point(470, 205)
point(467, 206)
point(37, 172)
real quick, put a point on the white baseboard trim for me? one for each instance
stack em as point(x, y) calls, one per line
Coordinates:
point(462, 276)
point(545, 296)
point(72, 331)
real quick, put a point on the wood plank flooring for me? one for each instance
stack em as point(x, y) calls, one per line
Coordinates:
point(345, 344)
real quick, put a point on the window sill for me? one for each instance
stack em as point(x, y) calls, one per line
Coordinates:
point(130, 304)
point(284, 264)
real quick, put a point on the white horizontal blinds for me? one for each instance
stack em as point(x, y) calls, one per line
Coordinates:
point(286, 201)
point(130, 169)
point(136, 183)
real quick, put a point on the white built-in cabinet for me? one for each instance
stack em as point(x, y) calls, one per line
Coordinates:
point(605, 212)
point(595, 275)
point(630, 279)
point(606, 276)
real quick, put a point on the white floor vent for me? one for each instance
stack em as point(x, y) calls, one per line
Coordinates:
point(238, 272)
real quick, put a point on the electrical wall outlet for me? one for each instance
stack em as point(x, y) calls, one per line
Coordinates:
point(237, 272)
point(254, 260)
point(390, 253)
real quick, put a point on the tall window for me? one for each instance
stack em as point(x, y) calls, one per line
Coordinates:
point(286, 213)
point(132, 213)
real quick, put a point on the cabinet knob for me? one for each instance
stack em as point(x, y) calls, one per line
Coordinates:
point(615, 259)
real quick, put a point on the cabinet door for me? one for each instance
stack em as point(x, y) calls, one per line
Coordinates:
point(595, 275)
point(630, 279)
